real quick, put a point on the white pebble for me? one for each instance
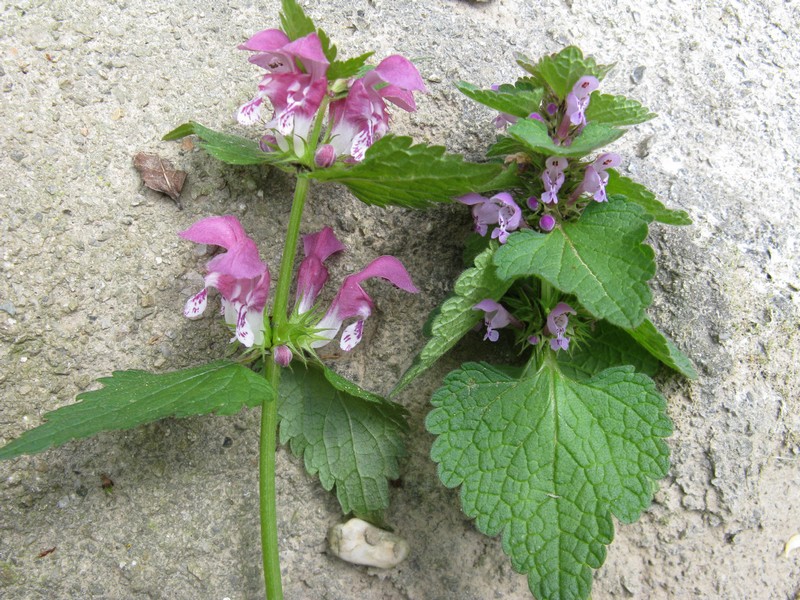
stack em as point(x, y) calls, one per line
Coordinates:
point(361, 543)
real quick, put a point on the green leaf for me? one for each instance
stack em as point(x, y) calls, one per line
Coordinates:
point(545, 461)
point(533, 134)
point(352, 439)
point(616, 110)
point(519, 100)
point(296, 24)
point(344, 69)
point(455, 317)
point(561, 71)
point(230, 149)
point(132, 398)
point(637, 193)
point(657, 344)
point(607, 347)
point(395, 172)
point(600, 259)
point(505, 146)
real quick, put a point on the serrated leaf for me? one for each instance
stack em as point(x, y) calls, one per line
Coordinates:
point(600, 259)
point(607, 347)
point(562, 70)
point(616, 110)
point(352, 439)
point(545, 461)
point(533, 134)
point(230, 149)
point(519, 100)
point(637, 193)
point(397, 172)
point(344, 69)
point(657, 344)
point(132, 398)
point(455, 318)
point(296, 24)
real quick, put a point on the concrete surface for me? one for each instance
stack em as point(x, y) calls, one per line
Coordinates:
point(94, 278)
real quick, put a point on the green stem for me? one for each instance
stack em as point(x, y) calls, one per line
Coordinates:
point(266, 479)
point(279, 306)
point(269, 408)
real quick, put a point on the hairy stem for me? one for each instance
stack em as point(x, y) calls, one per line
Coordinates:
point(269, 408)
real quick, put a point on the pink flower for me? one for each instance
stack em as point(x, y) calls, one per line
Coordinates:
point(595, 177)
point(295, 83)
point(495, 317)
point(557, 322)
point(553, 178)
point(353, 302)
point(500, 209)
point(312, 275)
point(239, 274)
point(577, 103)
point(361, 118)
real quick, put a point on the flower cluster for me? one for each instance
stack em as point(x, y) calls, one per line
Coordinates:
point(297, 87)
point(554, 328)
point(243, 282)
point(560, 186)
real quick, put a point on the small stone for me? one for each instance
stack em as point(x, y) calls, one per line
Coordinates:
point(638, 74)
point(361, 543)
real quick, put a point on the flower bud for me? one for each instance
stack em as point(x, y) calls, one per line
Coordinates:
point(547, 223)
point(325, 156)
point(533, 203)
point(282, 356)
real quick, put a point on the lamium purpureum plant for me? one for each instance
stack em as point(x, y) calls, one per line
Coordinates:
point(545, 453)
point(321, 119)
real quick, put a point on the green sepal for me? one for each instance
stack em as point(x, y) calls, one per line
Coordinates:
point(606, 346)
point(456, 317)
point(616, 110)
point(545, 461)
point(637, 193)
point(230, 149)
point(600, 259)
point(518, 100)
point(350, 438)
point(562, 70)
point(132, 398)
point(662, 348)
point(397, 172)
point(534, 136)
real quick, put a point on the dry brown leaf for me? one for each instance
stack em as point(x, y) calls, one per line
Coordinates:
point(160, 175)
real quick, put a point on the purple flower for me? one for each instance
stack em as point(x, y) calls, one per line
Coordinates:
point(295, 83)
point(595, 177)
point(500, 209)
point(361, 118)
point(557, 322)
point(239, 274)
point(352, 301)
point(495, 317)
point(325, 156)
point(282, 356)
point(547, 223)
point(533, 203)
point(312, 275)
point(553, 178)
point(577, 102)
